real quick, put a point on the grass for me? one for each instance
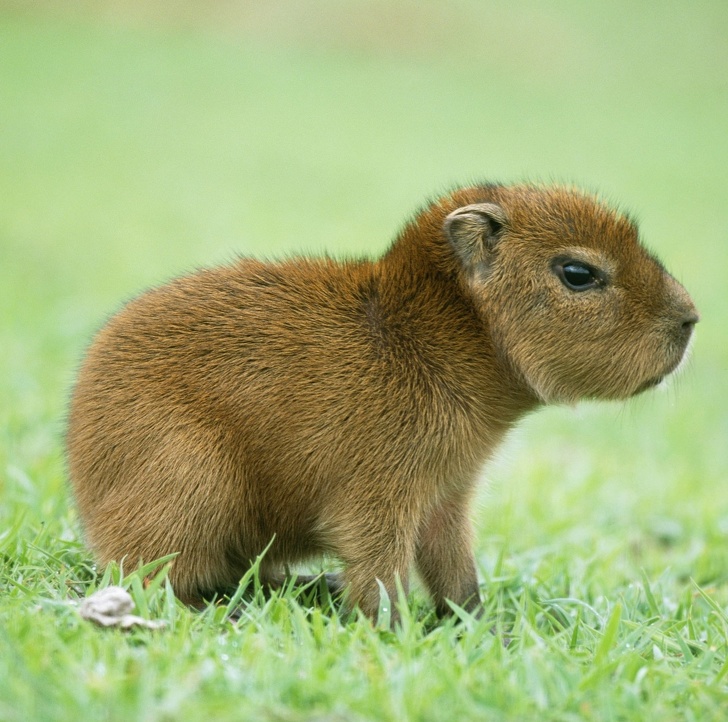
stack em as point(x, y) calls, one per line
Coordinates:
point(138, 141)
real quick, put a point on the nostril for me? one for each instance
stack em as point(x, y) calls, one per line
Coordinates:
point(688, 324)
point(690, 319)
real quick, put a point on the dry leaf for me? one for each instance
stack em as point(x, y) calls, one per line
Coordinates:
point(111, 607)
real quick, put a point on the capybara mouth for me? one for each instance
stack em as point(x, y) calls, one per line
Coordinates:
point(649, 384)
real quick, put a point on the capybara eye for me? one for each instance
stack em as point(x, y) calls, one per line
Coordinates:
point(577, 276)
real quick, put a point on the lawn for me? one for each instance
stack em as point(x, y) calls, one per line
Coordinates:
point(139, 141)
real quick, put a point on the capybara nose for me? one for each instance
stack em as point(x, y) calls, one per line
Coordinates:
point(690, 319)
point(687, 323)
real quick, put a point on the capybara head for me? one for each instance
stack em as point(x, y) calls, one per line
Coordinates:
point(571, 297)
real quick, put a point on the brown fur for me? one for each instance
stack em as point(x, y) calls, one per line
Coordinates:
point(347, 408)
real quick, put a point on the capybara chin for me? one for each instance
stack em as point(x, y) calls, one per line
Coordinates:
point(347, 408)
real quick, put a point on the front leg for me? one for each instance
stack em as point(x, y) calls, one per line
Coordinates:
point(445, 559)
point(363, 590)
point(377, 547)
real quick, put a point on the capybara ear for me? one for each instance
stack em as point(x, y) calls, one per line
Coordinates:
point(474, 231)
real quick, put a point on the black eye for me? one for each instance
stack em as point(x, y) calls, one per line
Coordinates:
point(577, 276)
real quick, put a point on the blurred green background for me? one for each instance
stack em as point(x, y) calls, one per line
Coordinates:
point(139, 140)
